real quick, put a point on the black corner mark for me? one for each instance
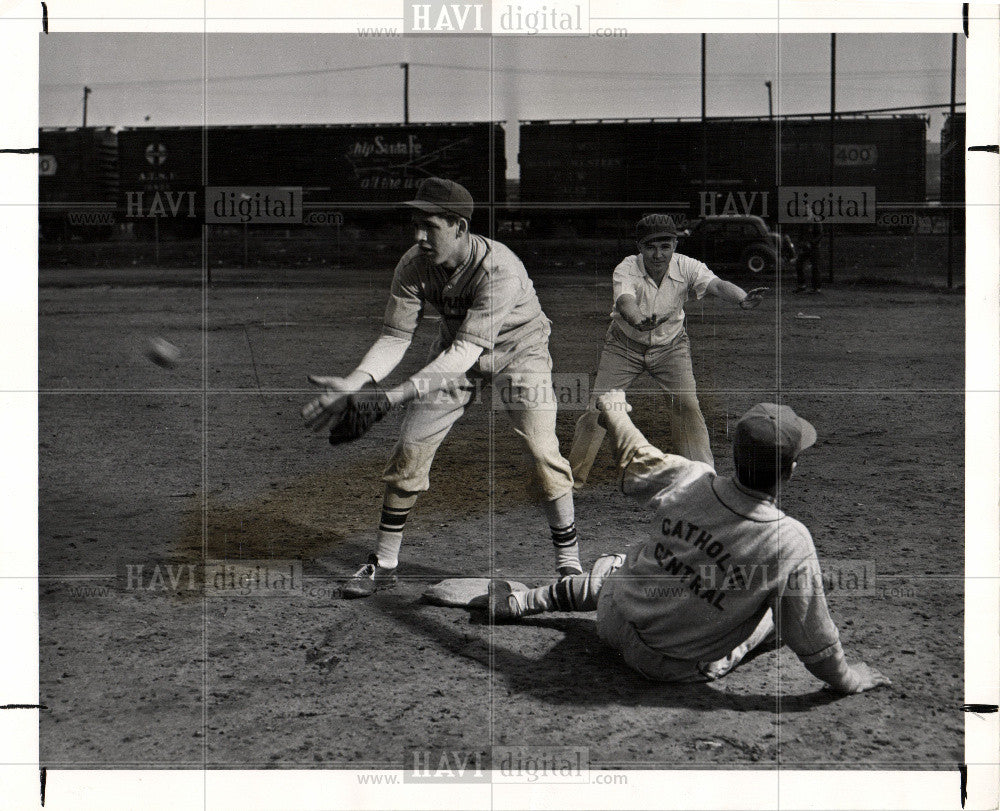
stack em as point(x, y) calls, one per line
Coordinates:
point(41, 784)
point(965, 19)
point(982, 709)
point(21, 151)
point(23, 707)
point(963, 770)
point(45, 19)
point(994, 148)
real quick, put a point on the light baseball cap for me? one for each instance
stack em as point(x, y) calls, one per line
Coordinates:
point(435, 195)
point(768, 431)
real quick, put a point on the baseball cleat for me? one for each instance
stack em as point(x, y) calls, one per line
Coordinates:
point(503, 605)
point(368, 579)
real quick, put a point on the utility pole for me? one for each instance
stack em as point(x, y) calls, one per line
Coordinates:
point(833, 113)
point(703, 61)
point(951, 136)
point(704, 122)
point(770, 104)
point(86, 92)
point(406, 91)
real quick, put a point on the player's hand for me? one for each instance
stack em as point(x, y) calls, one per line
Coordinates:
point(868, 678)
point(330, 405)
point(753, 298)
point(646, 324)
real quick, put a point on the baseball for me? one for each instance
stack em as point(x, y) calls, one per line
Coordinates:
point(163, 353)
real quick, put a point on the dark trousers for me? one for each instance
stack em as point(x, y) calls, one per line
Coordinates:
point(809, 256)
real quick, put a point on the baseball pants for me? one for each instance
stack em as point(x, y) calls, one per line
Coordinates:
point(595, 590)
point(523, 389)
point(615, 630)
point(622, 361)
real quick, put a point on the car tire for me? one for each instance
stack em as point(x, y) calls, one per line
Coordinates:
point(757, 262)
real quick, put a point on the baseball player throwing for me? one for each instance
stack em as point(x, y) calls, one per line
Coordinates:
point(647, 335)
point(722, 562)
point(493, 329)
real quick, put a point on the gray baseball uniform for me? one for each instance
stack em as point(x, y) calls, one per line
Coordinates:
point(489, 301)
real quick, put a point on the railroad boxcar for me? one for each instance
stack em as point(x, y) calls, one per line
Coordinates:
point(721, 166)
point(77, 183)
point(953, 159)
point(362, 168)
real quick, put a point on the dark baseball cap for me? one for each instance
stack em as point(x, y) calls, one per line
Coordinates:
point(435, 195)
point(655, 225)
point(769, 431)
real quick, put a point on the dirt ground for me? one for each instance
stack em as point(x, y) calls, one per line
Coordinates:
point(164, 468)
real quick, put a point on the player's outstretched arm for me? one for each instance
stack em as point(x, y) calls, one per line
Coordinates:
point(735, 294)
point(628, 308)
point(645, 469)
point(362, 409)
point(807, 627)
point(383, 356)
point(329, 406)
point(445, 373)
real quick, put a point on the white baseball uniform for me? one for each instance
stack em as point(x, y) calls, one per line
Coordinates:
point(664, 352)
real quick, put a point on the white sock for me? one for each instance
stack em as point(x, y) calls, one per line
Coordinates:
point(535, 601)
point(387, 548)
point(559, 513)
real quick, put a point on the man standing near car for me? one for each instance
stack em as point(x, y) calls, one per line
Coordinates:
point(809, 242)
point(647, 335)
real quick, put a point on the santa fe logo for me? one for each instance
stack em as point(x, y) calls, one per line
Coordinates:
point(156, 154)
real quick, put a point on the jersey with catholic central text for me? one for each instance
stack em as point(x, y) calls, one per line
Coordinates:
point(718, 557)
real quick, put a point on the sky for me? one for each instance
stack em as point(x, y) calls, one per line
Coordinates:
point(159, 79)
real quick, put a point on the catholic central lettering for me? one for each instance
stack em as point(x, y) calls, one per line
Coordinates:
point(689, 576)
point(710, 582)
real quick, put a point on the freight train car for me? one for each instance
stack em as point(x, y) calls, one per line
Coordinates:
point(160, 181)
point(77, 183)
point(726, 166)
point(352, 171)
point(953, 159)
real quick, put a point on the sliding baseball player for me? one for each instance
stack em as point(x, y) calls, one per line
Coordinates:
point(724, 570)
point(492, 329)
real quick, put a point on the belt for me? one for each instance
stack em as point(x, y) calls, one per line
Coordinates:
point(633, 345)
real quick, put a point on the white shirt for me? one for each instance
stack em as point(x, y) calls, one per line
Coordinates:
point(685, 276)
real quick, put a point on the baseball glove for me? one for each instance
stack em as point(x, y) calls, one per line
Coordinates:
point(363, 409)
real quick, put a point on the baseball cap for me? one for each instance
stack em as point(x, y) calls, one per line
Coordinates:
point(767, 431)
point(655, 225)
point(435, 195)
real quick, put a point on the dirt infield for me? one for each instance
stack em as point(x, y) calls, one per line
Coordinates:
point(141, 466)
